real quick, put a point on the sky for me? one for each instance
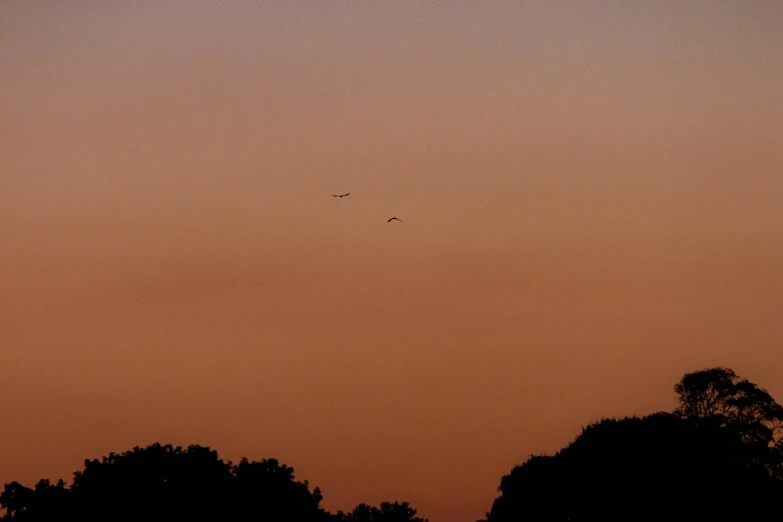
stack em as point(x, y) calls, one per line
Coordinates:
point(591, 200)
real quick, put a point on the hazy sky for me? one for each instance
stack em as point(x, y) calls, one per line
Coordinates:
point(591, 199)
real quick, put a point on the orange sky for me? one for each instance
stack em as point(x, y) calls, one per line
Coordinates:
point(592, 205)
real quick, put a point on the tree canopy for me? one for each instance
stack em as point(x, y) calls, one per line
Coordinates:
point(387, 512)
point(716, 457)
point(167, 483)
point(719, 396)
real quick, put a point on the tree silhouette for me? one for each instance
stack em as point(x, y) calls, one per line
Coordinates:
point(167, 483)
point(154, 483)
point(44, 502)
point(396, 512)
point(719, 396)
point(718, 457)
point(707, 461)
point(267, 490)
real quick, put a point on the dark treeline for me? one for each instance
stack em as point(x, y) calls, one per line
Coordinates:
point(718, 456)
point(167, 483)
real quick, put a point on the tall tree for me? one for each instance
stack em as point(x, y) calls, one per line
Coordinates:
point(714, 459)
point(718, 395)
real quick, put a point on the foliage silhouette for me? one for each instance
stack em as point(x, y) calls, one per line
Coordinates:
point(716, 458)
point(167, 483)
point(719, 396)
point(397, 512)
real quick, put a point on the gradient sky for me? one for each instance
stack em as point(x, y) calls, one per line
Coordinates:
point(592, 205)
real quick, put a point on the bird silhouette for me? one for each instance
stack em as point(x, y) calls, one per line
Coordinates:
point(340, 195)
point(392, 219)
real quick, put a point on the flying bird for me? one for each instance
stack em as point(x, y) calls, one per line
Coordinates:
point(341, 195)
point(392, 219)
